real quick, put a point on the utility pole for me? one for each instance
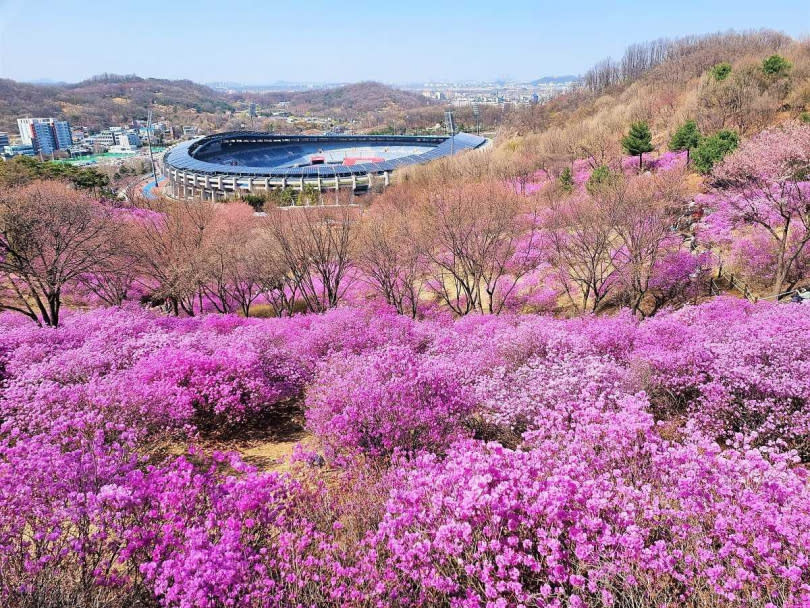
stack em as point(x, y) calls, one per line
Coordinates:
point(149, 141)
point(451, 127)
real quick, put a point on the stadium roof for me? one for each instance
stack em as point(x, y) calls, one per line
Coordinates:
point(183, 156)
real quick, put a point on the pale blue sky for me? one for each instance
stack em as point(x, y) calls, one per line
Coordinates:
point(350, 40)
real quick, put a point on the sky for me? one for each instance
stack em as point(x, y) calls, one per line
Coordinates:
point(400, 41)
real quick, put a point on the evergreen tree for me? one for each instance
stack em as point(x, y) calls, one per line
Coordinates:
point(776, 65)
point(721, 71)
point(687, 137)
point(601, 177)
point(638, 141)
point(567, 180)
point(712, 149)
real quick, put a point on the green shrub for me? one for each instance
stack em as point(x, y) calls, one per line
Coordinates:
point(721, 71)
point(601, 177)
point(256, 201)
point(776, 65)
point(713, 149)
point(567, 180)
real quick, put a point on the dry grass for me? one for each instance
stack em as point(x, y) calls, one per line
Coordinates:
point(266, 443)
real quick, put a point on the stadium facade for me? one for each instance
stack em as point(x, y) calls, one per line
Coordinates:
point(235, 163)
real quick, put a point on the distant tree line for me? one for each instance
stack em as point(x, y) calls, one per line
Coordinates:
point(705, 51)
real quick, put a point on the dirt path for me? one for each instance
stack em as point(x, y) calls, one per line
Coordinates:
point(268, 443)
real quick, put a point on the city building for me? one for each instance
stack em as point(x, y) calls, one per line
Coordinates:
point(158, 129)
point(42, 138)
point(45, 135)
point(129, 138)
point(63, 134)
point(16, 150)
point(80, 149)
point(4, 141)
point(126, 142)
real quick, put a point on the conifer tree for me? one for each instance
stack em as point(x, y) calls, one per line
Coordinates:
point(687, 137)
point(567, 180)
point(638, 141)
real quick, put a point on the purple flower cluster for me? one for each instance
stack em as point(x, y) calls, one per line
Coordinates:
point(488, 461)
point(387, 400)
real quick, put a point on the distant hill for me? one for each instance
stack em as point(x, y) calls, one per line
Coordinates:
point(555, 79)
point(105, 100)
point(343, 101)
point(111, 99)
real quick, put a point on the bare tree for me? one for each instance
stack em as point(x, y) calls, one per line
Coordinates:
point(315, 246)
point(643, 213)
point(169, 245)
point(50, 235)
point(232, 274)
point(393, 262)
point(581, 243)
point(479, 239)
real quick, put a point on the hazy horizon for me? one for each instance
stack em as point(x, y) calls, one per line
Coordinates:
point(328, 43)
point(296, 83)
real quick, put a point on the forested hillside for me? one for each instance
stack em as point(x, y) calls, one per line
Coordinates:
point(106, 100)
point(665, 83)
point(348, 101)
point(111, 100)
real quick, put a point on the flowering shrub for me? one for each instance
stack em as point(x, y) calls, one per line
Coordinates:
point(651, 463)
point(58, 541)
point(564, 524)
point(243, 541)
point(387, 400)
point(736, 367)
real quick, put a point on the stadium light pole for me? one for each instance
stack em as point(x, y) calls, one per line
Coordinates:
point(149, 142)
point(451, 125)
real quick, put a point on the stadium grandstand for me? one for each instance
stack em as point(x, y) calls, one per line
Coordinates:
point(241, 162)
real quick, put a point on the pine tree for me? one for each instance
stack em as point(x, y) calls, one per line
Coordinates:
point(567, 180)
point(687, 137)
point(638, 141)
point(721, 71)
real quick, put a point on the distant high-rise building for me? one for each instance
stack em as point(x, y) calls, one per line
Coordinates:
point(24, 124)
point(64, 136)
point(45, 135)
point(4, 139)
point(42, 138)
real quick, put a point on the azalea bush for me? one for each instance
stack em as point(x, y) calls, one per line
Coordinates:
point(564, 524)
point(486, 461)
point(385, 401)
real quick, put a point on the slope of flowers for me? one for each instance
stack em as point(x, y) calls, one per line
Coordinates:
point(489, 461)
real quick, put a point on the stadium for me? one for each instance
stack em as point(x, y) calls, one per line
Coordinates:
point(241, 162)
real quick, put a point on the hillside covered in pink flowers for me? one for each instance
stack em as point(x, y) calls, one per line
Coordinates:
point(570, 370)
point(489, 461)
